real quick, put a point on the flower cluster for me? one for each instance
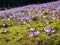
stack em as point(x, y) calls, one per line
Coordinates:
point(49, 30)
point(34, 32)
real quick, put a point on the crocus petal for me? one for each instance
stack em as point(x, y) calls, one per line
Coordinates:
point(52, 31)
point(36, 33)
point(32, 29)
point(46, 22)
point(31, 35)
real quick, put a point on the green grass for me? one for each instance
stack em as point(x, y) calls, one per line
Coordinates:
point(18, 34)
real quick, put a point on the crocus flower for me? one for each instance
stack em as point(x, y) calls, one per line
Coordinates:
point(36, 33)
point(58, 16)
point(31, 17)
point(31, 35)
point(21, 13)
point(47, 29)
point(53, 18)
point(4, 31)
point(23, 18)
point(52, 31)
point(32, 29)
point(10, 16)
point(29, 20)
point(46, 22)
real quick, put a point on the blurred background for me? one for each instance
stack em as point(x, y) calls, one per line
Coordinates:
point(17, 3)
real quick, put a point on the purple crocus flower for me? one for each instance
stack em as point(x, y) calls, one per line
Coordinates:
point(53, 18)
point(52, 31)
point(23, 18)
point(10, 16)
point(29, 20)
point(36, 32)
point(58, 16)
point(32, 29)
point(47, 29)
point(31, 35)
point(46, 22)
point(21, 13)
point(31, 17)
point(4, 31)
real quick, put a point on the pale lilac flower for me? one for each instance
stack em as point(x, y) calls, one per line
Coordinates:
point(4, 31)
point(53, 18)
point(21, 13)
point(52, 31)
point(23, 18)
point(10, 16)
point(29, 20)
point(58, 8)
point(53, 11)
point(32, 29)
point(31, 35)
point(47, 29)
point(15, 18)
point(58, 16)
point(31, 16)
point(46, 22)
point(36, 33)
